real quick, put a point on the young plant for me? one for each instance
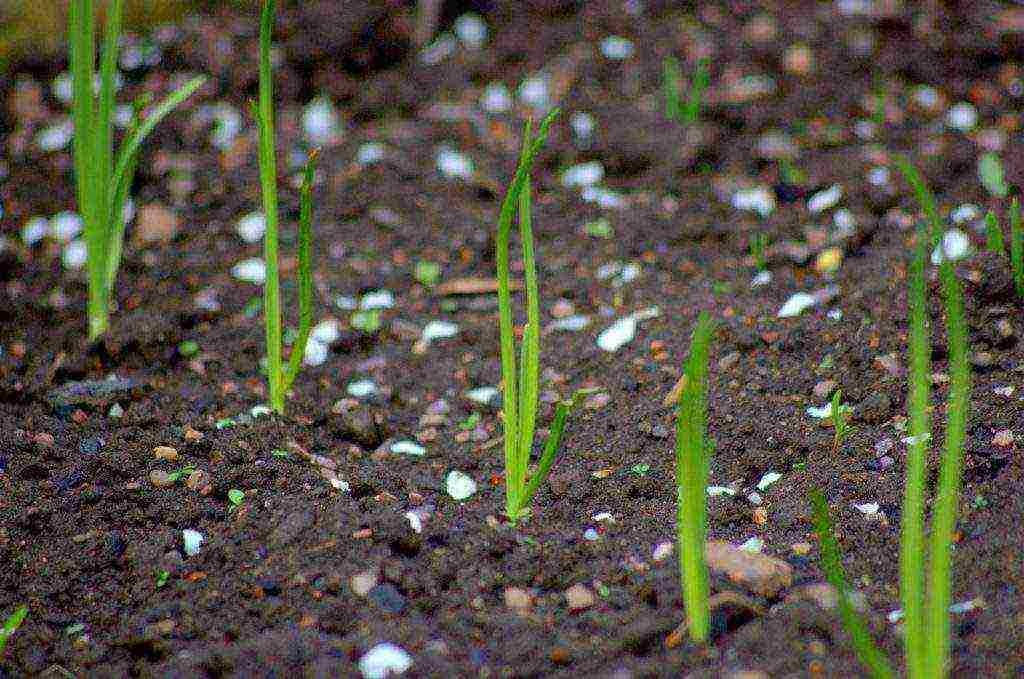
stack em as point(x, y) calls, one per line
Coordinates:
point(279, 377)
point(686, 112)
point(831, 562)
point(994, 235)
point(103, 179)
point(926, 613)
point(840, 420)
point(1016, 247)
point(693, 453)
point(759, 250)
point(522, 386)
point(11, 626)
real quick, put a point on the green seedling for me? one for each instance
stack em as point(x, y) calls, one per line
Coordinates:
point(236, 497)
point(926, 613)
point(367, 321)
point(11, 626)
point(693, 454)
point(994, 235)
point(686, 112)
point(279, 377)
point(640, 469)
point(161, 579)
point(840, 420)
point(428, 273)
point(1016, 247)
point(521, 387)
point(180, 473)
point(470, 423)
point(831, 562)
point(759, 250)
point(881, 102)
point(990, 171)
point(103, 180)
point(188, 348)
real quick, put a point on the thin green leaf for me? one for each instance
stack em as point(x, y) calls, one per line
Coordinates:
point(672, 77)
point(994, 235)
point(698, 86)
point(11, 626)
point(305, 271)
point(692, 460)
point(924, 197)
point(116, 216)
point(551, 447)
point(863, 644)
point(104, 123)
point(990, 171)
point(1016, 247)
point(950, 480)
point(529, 384)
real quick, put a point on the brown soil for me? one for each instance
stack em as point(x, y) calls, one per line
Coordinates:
point(95, 549)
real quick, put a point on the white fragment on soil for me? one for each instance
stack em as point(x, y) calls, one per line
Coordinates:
point(227, 123)
point(65, 226)
point(662, 551)
point(116, 411)
point(761, 279)
point(34, 230)
point(584, 174)
point(536, 92)
point(571, 323)
point(316, 353)
point(768, 479)
point(796, 305)
point(439, 50)
point(753, 545)
point(408, 448)
point(623, 330)
point(755, 498)
point(590, 535)
point(454, 165)
point(55, 137)
point(759, 199)
point(377, 299)
point(868, 508)
point(822, 413)
point(370, 153)
point(383, 661)
point(957, 608)
point(823, 200)
point(320, 121)
point(251, 270)
point(459, 485)
point(603, 517)
point(259, 411)
point(583, 125)
point(251, 227)
point(435, 330)
point(191, 540)
point(955, 246)
point(962, 116)
point(326, 331)
point(482, 395)
point(75, 254)
point(471, 30)
point(617, 48)
point(715, 491)
point(845, 223)
point(878, 176)
point(415, 521)
point(964, 213)
point(496, 98)
point(362, 389)
point(602, 197)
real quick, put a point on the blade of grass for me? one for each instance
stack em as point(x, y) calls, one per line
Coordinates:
point(994, 235)
point(529, 386)
point(11, 626)
point(672, 77)
point(1016, 247)
point(863, 644)
point(104, 123)
point(554, 442)
point(115, 245)
point(692, 457)
point(950, 480)
point(268, 182)
point(924, 197)
point(695, 98)
point(912, 538)
point(305, 271)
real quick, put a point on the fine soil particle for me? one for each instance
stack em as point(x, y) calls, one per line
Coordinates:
point(270, 546)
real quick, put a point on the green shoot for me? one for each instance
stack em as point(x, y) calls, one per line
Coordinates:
point(693, 453)
point(927, 614)
point(279, 378)
point(103, 179)
point(759, 250)
point(840, 420)
point(686, 112)
point(521, 388)
point(831, 562)
point(994, 235)
point(881, 102)
point(1016, 247)
point(990, 171)
point(11, 626)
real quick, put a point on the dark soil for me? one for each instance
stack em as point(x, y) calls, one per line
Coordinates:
point(95, 549)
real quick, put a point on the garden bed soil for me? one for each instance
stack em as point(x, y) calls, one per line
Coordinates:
point(319, 563)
